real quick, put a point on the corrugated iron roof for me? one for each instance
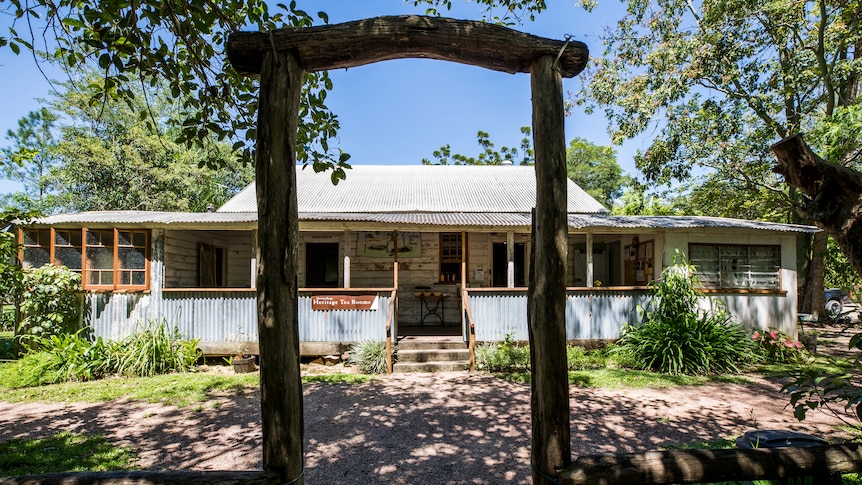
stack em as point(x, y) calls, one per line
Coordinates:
point(419, 188)
point(148, 218)
point(605, 221)
point(229, 220)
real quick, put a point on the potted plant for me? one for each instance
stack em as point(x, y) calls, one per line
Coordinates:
point(243, 363)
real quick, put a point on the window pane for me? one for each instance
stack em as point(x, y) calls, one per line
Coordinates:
point(37, 247)
point(69, 257)
point(35, 257)
point(131, 258)
point(139, 278)
point(124, 238)
point(139, 239)
point(704, 257)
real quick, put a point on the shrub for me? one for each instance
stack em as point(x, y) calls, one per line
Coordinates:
point(778, 348)
point(506, 356)
point(49, 301)
point(7, 319)
point(60, 358)
point(577, 358)
point(155, 349)
point(678, 338)
point(369, 356)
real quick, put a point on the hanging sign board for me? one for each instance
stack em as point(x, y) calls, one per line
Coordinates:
point(344, 302)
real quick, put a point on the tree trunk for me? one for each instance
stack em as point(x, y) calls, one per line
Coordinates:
point(551, 445)
point(277, 283)
point(834, 194)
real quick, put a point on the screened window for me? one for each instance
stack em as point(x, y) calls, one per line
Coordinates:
point(36, 247)
point(68, 245)
point(107, 258)
point(729, 266)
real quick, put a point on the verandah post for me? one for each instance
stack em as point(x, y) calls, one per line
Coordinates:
point(551, 446)
point(277, 282)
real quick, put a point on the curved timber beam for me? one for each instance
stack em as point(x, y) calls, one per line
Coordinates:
point(376, 39)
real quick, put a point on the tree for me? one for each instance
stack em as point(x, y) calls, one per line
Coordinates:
point(107, 158)
point(183, 43)
point(488, 156)
point(595, 169)
point(721, 80)
point(31, 157)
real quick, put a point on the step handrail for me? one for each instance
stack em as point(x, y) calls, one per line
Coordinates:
point(471, 328)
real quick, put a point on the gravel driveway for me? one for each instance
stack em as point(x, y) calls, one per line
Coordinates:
point(446, 428)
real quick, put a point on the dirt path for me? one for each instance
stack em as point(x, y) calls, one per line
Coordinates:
point(443, 428)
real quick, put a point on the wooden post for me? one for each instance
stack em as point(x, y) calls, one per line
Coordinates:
point(510, 259)
point(591, 277)
point(277, 282)
point(347, 259)
point(551, 447)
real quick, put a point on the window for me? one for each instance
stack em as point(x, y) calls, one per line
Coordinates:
point(730, 266)
point(321, 265)
point(68, 244)
point(107, 258)
point(36, 251)
point(451, 256)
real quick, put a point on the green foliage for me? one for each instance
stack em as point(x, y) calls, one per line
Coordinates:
point(33, 369)
point(63, 452)
point(50, 302)
point(155, 349)
point(63, 357)
point(595, 169)
point(839, 272)
point(715, 83)
point(513, 11)
point(678, 338)
point(7, 349)
point(833, 390)
point(369, 356)
point(778, 348)
point(7, 319)
point(29, 159)
point(578, 358)
point(506, 356)
point(338, 378)
point(107, 158)
point(139, 45)
point(488, 156)
point(178, 389)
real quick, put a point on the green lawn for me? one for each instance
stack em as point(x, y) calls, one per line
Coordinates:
point(63, 452)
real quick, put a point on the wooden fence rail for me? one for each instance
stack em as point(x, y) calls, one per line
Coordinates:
point(824, 463)
point(146, 477)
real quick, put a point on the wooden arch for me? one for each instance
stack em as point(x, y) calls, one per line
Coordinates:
point(280, 58)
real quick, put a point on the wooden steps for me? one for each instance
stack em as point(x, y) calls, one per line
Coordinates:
point(432, 354)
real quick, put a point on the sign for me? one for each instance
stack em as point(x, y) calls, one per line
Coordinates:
point(383, 244)
point(344, 302)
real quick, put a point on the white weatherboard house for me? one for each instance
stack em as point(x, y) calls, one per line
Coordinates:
point(424, 250)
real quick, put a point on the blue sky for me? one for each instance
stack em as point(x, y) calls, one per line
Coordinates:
point(398, 112)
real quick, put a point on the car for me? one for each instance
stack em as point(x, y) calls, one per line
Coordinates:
point(836, 298)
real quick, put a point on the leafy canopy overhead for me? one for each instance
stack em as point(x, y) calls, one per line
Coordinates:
point(721, 80)
point(136, 45)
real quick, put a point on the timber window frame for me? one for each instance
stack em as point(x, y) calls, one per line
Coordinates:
point(737, 267)
point(108, 259)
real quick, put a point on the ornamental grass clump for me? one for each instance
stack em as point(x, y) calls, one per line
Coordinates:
point(369, 356)
point(677, 337)
point(155, 349)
